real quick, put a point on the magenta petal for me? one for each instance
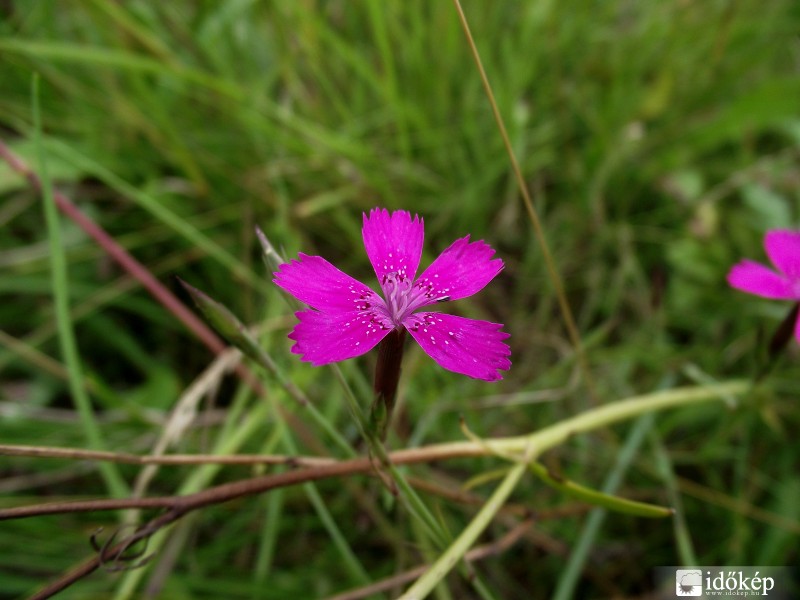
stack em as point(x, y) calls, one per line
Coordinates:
point(322, 338)
point(315, 281)
point(751, 277)
point(466, 346)
point(783, 249)
point(461, 270)
point(393, 242)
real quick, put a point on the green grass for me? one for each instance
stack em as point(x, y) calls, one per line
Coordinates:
point(659, 141)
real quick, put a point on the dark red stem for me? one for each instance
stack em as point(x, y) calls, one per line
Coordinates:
point(387, 376)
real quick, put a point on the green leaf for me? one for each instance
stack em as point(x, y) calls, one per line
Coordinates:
point(596, 498)
point(226, 324)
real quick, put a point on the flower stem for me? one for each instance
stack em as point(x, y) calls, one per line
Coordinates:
point(767, 358)
point(783, 334)
point(387, 376)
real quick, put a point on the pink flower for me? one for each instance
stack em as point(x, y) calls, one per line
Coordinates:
point(348, 319)
point(783, 249)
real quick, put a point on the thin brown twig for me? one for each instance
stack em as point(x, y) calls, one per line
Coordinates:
point(120, 255)
point(247, 487)
point(552, 271)
point(158, 290)
point(415, 455)
point(136, 269)
point(179, 506)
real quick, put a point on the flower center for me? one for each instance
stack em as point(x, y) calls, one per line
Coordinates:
point(403, 297)
point(397, 291)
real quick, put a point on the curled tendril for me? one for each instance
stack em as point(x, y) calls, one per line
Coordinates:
point(119, 555)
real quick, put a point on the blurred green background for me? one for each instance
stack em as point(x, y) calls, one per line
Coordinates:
point(659, 141)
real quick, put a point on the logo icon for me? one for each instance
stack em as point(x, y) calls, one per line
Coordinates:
point(688, 583)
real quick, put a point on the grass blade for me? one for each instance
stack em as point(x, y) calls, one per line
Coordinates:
point(69, 348)
point(565, 588)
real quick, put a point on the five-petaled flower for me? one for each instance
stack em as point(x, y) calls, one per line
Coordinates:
point(783, 249)
point(347, 318)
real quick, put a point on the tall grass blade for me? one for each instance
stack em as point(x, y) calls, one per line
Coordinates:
point(69, 347)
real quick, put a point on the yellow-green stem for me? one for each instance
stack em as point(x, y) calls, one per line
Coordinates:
point(529, 447)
